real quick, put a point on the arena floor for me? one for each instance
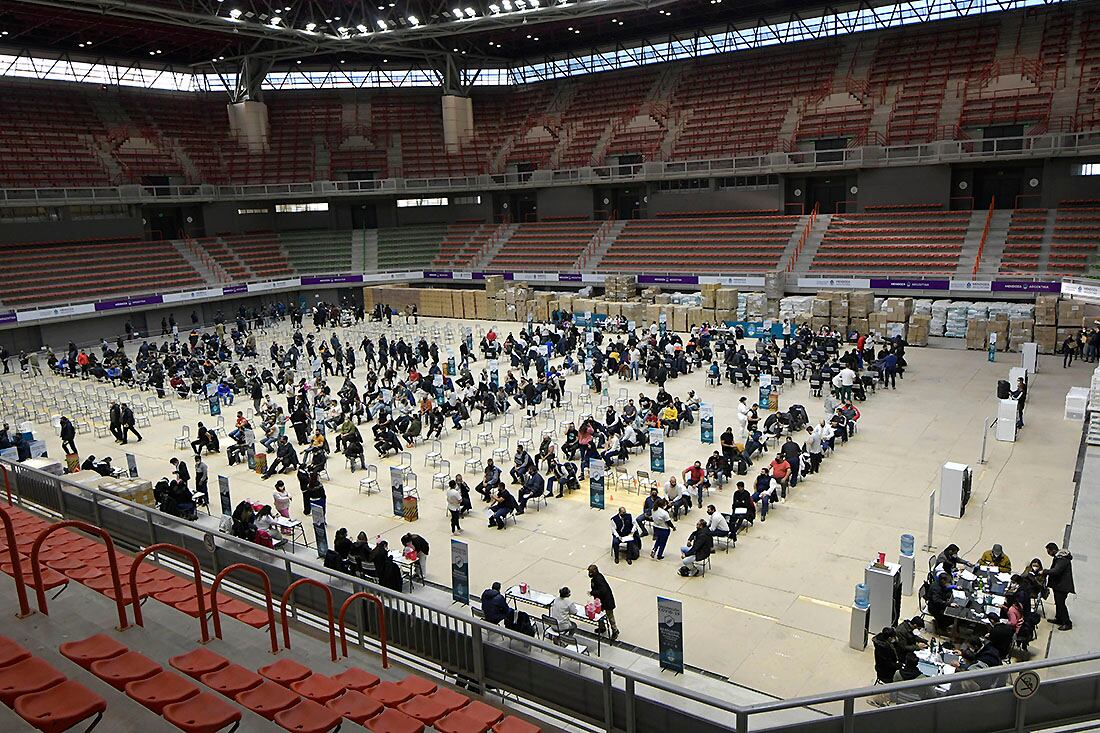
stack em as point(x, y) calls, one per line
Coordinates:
point(772, 614)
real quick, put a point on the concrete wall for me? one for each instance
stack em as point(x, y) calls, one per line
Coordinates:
point(66, 230)
point(571, 201)
point(1059, 184)
point(928, 184)
point(729, 199)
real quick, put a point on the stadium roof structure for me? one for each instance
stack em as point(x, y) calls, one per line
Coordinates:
point(453, 41)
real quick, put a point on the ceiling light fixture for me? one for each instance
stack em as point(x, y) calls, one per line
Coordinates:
point(414, 21)
point(234, 13)
point(275, 20)
point(470, 12)
point(381, 24)
point(310, 27)
point(457, 12)
point(494, 8)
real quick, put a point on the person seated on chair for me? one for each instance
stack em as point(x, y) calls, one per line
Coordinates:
point(670, 418)
point(996, 557)
point(490, 481)
point(561, 609)
point(887, 662)
point(522, 465)
point(719, 468)
point(906, 639)
point(353, 450)
point(385, 568)
point(695, 478)
point(494, 606)
point(533, 487)
point(742, 500)
point(678, 499)
point(244, 521)
point(613, 451)
point(238, 452)
point(285, 458)
point(205, 438)
point(717, 524)
point(767, 491)
point(625, 533)
point(939, 598)
point(503, 505)
point(385, 439)
point(699, 547)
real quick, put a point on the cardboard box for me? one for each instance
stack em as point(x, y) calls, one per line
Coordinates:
point(1046, 310)
point(817, 322)
point(860, 303)
point(1070, 312)
point(494, 284)
point(976, 330)
point(918, 335)
point(858, 324)
point(1046, 338)
point(821, 308)
point(725, 299)
point(481, 304)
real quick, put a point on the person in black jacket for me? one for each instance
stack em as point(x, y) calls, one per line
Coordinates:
point(602, 592)
point(421, 546)
point(1060, 582)
point(699, 548)
point(939, 597)
point(68, 435)
point(128, 422)
point(115, 419)
point(624, 532)
point(495, 606)
point(886, 655)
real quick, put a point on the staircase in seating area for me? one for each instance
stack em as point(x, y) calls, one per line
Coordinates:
point(601, 241)
point(462, 244)
point(320, 251)
point(203, 262)
point(365, 241)
point(972, 242)
point(492, 246)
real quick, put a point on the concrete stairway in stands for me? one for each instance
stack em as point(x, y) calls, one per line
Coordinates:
point(969, 252)
point(792, 243)
point(813, 241)
point(365, 243)
point(994, 246)
point(503, 235)
point(207, 267)
point(609, 238)
point(1048, 237)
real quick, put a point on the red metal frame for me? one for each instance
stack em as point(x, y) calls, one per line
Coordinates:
point(381, 624)
point(267, 592)
point(331, 622)
point(184, 552)
point(985, 236)
point(36, 566)
point(17, 568)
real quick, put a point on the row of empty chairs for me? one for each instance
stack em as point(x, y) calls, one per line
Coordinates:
point(1076, 237)
point(1024, 242)
point(552, 245)
point(902, 241)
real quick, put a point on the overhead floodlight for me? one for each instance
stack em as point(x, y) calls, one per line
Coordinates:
point(494, 8)
point(507, 4)
point(457, 12)
point(310, 27)
point(382, 25)
point(344, 31)
point(275, 20)
point(533, 3)
point(520, 4)
point(234, 13)
point(413, 21)
point(470, 12)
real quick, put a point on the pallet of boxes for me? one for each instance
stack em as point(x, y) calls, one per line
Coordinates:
point(861, 304)
point(725, 305)
point(896, 313)
point(1071, 314)
point(1046, 324)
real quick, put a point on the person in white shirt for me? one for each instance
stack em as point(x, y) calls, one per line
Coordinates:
point(847, 379)
point(743, 413)
point(677, 499)
point(454, 505)
point(662, 528)
point(560, 609)
point(717, 523)
point(827, 435)
point(813, 447)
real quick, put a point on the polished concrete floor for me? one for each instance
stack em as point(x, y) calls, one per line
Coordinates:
point(772, 614)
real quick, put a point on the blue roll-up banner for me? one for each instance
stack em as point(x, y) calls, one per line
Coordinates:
point(706, 422)
point(662, 323)
point(215, 405)
point(657, 450)
point(451, 362)
point(765, 391)
point(397, 490)
point(470, 341)
point(596, 483)
point(460, 572)
point(670, 634)
point(494, 373)
point(320, 528)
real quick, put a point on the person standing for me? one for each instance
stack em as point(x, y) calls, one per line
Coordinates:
point(68, 435)
point(454, 506)
point(202, 478)
point(179, 468)
point(115, 420)
point(1069, 351)
point(1020, 395)
point(601, 591)
point(662, 528)
point(128, 421)
point(1060, 582)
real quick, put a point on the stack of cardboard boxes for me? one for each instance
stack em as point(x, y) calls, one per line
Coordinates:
point(861, 304)
point(618, 288)
point(1046, 323)
point(918, 329)
point(1020, 331)
point(976, 333)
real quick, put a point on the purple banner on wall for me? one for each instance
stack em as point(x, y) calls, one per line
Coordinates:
point(438, 275)
point(569, 277)
point(1017, 286)
point(108, 305)
point(478, 275)
point(234, 289)
point(332, 279)
point(910, 283)
point(669, 279)
point(507, 275)
point(7, 318)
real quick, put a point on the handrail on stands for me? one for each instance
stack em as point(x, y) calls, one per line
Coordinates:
point(985, 236)
point(36, 565)
point(267, 597)
point(195, 567)
point(7, 483)
point(803, 237)
point(331, 616)
point(381, 624)
point(16, 565)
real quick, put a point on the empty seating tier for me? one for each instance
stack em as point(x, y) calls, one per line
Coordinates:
point(402, 248)
point(545, 245)
point(1024, 242)
point(903, 241)
point(718, 244)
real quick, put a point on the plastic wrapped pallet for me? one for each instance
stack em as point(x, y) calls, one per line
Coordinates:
point(922, 306)
point(956, 320)
point(794, 307)
point(755, 306)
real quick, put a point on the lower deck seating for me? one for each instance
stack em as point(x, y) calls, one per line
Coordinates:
point(317, 251)
point(903, 241)
point(735, 243)
point(72, 272)
point(463, 242)
point(1075, 239)
point(1024, 242)
point(545, 245)
point(409, 247)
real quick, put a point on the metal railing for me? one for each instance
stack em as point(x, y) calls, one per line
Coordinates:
point(589, 692)
point(1053, 144)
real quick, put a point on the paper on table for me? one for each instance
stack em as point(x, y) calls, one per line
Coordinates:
point(967, 575)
